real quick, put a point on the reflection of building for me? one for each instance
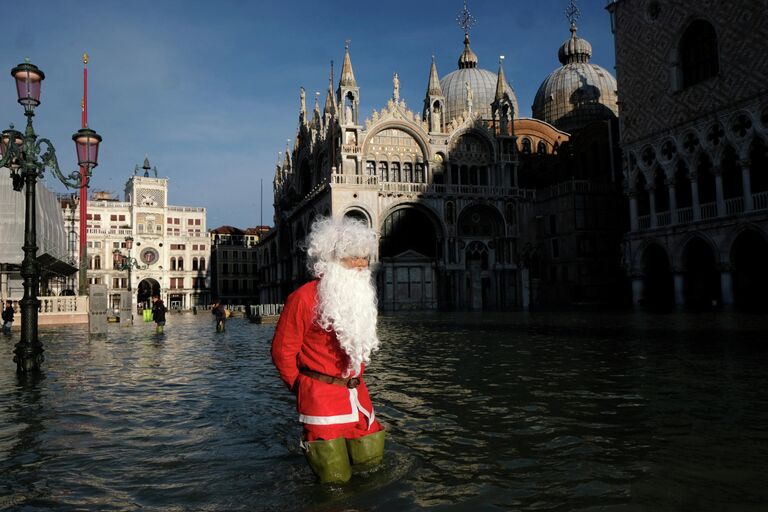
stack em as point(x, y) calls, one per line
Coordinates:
point(55, 263)
point(694, 123)
point(234, 272)
point(474, 204)
point(170, 244)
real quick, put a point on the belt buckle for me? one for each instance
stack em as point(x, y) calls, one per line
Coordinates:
point(353, 383)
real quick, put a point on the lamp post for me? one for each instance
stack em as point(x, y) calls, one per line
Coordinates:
point(123, 263)
point(27, 157)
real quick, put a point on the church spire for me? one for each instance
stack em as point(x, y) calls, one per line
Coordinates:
point(330, 106)
point(434, 102)
point(433, 88)
point(500, 81)
point(347, 78)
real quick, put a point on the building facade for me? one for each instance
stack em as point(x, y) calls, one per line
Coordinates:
point(234, 268)
point(461, 192)
point(694, 126)
point(56, 263)
point(169, 245)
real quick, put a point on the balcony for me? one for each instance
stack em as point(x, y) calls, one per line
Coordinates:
point(392, 187)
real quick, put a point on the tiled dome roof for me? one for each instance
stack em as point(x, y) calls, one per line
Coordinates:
point(577, 93)
point(481, 81)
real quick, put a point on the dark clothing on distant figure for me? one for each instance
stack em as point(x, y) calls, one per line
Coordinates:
point(7, 318)
point(158, 312)
point(219, 312)
point(221, 316)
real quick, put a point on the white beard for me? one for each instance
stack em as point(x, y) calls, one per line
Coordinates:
point(347, 305)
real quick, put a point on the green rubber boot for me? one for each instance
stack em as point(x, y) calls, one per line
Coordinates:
point(367, 450)
point(329, 460)
point(159, 329)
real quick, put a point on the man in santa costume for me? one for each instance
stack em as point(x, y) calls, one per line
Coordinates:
point(324, 339)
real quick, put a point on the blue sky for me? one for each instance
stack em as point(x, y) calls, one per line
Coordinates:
point(209, 91)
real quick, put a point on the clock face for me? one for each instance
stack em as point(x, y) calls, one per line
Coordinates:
point(149, 256)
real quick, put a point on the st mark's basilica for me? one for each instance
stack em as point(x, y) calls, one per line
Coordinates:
point(477, 207)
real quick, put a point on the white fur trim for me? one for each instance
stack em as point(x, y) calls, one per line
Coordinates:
point(339, 419)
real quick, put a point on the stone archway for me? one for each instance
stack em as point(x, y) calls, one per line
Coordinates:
point(658, 285)
point(144, 292)
point(749, 254)
point(408, 251)
point(702, 277)
point(479, 226)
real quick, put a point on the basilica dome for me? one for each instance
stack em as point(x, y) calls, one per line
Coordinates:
point(481, 82)
point(577, 93)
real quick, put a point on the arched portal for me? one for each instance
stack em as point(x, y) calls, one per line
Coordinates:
point(356, 214)
point(702, 277)
point(750, 274)
point(146, 289)
point(658, 285)
point(408, 250)
point(479, 227)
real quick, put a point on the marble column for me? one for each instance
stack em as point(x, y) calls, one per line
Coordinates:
point(726, 284)
point(695, 197)
point(652, 201)
point(746, 183)
point(672, 201)
point(679, 279)
point(633, 224)
point(638, 289)
point(719, 197)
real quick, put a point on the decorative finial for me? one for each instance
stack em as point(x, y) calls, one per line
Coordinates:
point(346, 44)
point(501, 60)
point(26, 60)
point(465, 19)
point(85, 58)
point(572, 13)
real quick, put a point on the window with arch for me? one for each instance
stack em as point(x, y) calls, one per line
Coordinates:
point(370, 168)
point(395, 174)
point(202, 263)
point(511, 213)
point(195, 264)
point(699, 58)
point(383, 171)
point(173, 263)
point(450, 213)
point(526, 146)
point(419, 173)
point(541, 148)
point(408, 172)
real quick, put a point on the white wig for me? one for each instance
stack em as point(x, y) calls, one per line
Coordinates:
point(331, 240)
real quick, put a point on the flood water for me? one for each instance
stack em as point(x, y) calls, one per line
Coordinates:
point(502, 411)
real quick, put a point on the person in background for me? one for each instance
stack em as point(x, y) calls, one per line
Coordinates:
point(220, 314)
point(322, 342)
point(8, 316)
point(158, 313)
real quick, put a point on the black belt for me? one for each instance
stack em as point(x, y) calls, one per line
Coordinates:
point(351, 382)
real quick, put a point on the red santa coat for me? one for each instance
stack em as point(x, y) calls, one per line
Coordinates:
point(300, 343)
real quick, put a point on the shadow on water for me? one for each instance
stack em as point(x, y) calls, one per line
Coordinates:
point(551, 411)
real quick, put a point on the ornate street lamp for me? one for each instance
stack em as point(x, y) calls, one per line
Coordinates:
point(27, 157)
point(121, 262)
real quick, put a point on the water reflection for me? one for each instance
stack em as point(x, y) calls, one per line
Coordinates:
point(485, 412)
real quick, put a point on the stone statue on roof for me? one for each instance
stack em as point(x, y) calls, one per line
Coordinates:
point(396, 86)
